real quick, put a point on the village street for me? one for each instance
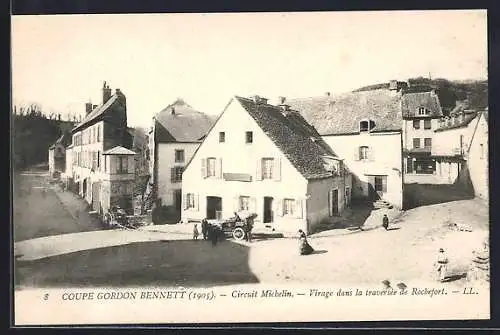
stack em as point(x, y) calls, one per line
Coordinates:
point(39, 211)
point(166, 255)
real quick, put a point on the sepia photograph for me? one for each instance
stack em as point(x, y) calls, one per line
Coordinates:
point(250, 167)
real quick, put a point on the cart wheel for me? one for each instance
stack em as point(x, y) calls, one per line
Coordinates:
point(238, 234)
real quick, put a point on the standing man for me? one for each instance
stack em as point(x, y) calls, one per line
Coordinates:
point(385, 222)
point(204, 228)
point(442, 264)
point(248, 228)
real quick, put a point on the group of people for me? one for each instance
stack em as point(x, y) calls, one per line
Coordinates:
point(209, 232)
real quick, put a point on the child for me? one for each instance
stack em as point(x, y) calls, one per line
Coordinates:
point(442, 264)
point(195, 232)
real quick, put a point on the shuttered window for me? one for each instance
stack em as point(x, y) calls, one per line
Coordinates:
point(427, 124)
point(211, 167)
point(176, 174)
point(363, 152)
point(289, 207)
point(267, 168)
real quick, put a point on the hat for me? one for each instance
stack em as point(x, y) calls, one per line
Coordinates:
point(441, 250)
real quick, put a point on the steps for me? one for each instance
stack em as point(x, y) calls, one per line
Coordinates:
point(382, 204)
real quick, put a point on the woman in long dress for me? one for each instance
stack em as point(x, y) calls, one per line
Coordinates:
point(304, 247)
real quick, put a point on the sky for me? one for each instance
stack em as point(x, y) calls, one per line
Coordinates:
point(61, 61)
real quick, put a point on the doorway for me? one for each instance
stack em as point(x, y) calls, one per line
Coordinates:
point(268, 210)
point(334, 202)
point(178, 200)
point(214, 208)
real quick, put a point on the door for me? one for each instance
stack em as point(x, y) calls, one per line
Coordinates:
point(380, 186)
point(178, 200)
point(334, 202)
point(214, 208)
point(347, 196)
point(268, 210)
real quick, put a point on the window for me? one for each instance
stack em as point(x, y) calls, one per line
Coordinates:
point(363, 153)
point(179, 156)
point(147, 154)
point(288, 207)
point(210, 167)
point(249, 137)
point(428, 142)
point(427, 124)
point(421, 111)
point(122, 164)
point(244, 203)
point(267, 168)
point(481, 152)
point(416, 143)
point(416, 124)
point(222, 137)
point(380, 183)
point(177, 174)
point(363, 126)
point(190, 200)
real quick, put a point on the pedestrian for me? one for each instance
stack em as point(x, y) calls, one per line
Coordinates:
point(304, 246)
point(385, 222)
point(204, 228)
point(442, 264)
point(195, 232)
point(214, 234)
point(248, 229)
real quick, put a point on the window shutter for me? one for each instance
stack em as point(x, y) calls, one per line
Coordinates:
point(384, 184)
point(298, 208)
point(185, 201)
point(172, 175)
point(219, 168)
point(330, 197)
point(279, 207)
point(204, 168)
point(277, 168)
point(356, 153)
point(258, 169)
point(371, 154)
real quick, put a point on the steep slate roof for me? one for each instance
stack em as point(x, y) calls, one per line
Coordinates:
point(98, 111)
point(341, 114)
point(412, 101)
point(468, 119)
point(118, 150)
point(185, 125)
point(293, 136)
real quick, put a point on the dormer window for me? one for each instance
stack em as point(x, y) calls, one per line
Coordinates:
point(423, 111)
point(366, 125)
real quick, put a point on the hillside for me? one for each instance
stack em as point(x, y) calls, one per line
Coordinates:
point(473, 92)
point(32, 135)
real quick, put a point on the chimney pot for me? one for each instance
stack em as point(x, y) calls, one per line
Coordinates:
point(106, 93)
point(88, 108)
point(282, 100)
point(172, 111)
point(327, 94)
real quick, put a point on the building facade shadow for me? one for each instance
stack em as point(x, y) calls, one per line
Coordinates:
point(417, 195)
point(158, 263)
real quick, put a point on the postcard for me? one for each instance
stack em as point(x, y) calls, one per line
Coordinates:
point(250, 167)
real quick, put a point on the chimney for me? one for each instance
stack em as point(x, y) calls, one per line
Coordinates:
point(393, 85)
point(172, 111)
point(106, 93)
point(281, 100)
point(327, 94)
point(88, 108)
